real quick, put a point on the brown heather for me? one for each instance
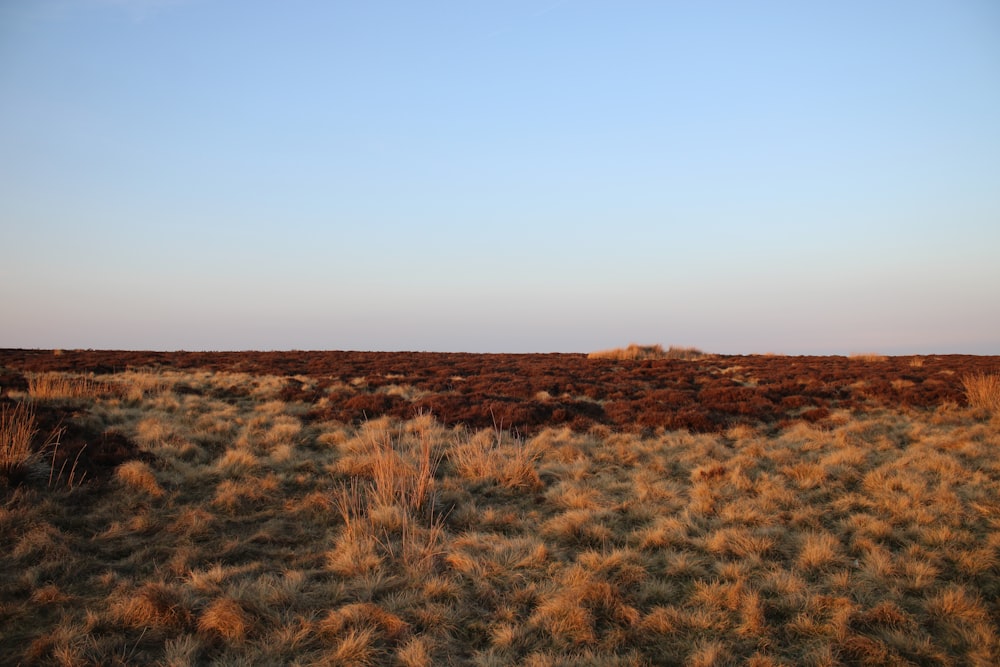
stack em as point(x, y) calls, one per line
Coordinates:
point(244, 530)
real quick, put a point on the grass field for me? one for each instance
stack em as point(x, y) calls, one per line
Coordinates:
point(236, 528)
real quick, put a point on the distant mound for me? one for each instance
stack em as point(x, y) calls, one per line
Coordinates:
point(634, 351)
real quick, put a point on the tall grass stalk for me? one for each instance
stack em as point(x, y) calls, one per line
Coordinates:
point(71, 479)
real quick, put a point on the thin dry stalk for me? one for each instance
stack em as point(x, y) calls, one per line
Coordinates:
point(71, 480)
point(350, 503)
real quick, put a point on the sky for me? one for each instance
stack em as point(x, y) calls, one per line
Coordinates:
point(504, 176)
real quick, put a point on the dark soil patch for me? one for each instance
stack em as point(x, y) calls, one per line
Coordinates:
point(73, 451)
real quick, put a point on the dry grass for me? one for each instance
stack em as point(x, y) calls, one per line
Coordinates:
point(983, 390)
point(138, 477)
point(497, 457)
point(634, 351)
point(17, 431)
point(870, 357)
point(246, 535)
point(55, 386)
point(226, 618)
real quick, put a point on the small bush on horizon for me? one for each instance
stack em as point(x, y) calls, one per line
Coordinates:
point(642, 352)
point(868, 356)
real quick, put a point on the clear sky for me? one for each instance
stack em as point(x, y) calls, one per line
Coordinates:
point(789, 177)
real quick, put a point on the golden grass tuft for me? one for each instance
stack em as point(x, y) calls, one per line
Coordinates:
point(982, 390)
point(154, 605)
point(138, 476)
point(393, 467)
point(417, 652)
point(405, 477)
point(181, 651)
point(356, 649)
point(498, 457)
point(225, 618)
point(354, 555)
point(17, 431)
point(153, 432)
point(566, 620)
point(739, 543)
point(364, 615)
point(236, 462)
point(956, 604)
point(710, 653)
point(819, 551)
point(242, 494)
point(49, 594)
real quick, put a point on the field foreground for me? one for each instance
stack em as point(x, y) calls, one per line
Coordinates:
point(342, 508)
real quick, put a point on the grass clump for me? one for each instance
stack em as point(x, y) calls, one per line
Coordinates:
point(498, 457)
point(982, 390)
point(17, 431)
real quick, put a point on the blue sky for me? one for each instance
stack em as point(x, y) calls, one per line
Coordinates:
point(790, 177)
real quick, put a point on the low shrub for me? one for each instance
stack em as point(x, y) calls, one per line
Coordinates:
point(868, 356)
point(642, 352)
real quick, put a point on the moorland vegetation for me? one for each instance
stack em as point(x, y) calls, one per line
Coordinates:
point(185, 515)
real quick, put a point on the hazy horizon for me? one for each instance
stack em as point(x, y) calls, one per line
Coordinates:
point(562, 176)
